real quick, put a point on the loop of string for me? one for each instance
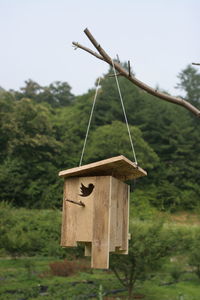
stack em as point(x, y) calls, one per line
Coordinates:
point(88, 127)
point(125, 116)
point(124, 111)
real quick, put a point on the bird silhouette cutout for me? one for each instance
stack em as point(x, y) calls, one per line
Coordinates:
point(86, 191)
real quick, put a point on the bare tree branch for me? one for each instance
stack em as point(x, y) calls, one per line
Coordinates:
point(196, 64)
point(127, 74)
point(77, 45)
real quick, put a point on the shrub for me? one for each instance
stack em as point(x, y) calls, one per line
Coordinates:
point(67, 268)
point(33, 232)
point(150, 245)
point(176, 271)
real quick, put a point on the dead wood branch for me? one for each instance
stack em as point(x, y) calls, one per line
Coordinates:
point(196, 64)
point(127, 74)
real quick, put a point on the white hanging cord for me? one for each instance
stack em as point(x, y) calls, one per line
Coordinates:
point(124, 111)
point(88, 127)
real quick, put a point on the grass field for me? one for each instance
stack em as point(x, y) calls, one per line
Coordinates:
point(31, 278)
point(31, 260)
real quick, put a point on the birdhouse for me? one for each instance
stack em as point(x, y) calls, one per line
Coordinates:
point(96, 207)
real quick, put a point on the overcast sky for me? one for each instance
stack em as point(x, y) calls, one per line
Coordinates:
point(160, 38)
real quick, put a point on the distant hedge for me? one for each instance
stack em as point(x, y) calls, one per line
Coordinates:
point(25, 232)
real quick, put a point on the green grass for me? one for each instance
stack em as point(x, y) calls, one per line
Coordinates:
point(27, 277)
point(36, 234)
point(30, 278)
point(188, 291)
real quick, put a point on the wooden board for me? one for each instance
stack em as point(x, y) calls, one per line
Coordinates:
point(124, 216)
point(119, 167)
point(101, 223)
point(77, 224)
point(119, 216)
point(125, 220)
point(113, 217)
point(68, 231)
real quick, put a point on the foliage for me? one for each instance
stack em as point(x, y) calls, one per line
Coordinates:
point(141, 207)
point(32, 232)
point(145, 251)
point(16, 283)
point(43, 131)
point(36, 233)
point(189, 82)
point(112, 140)
point(151, 243)
point(194, 253)
point(57, 94)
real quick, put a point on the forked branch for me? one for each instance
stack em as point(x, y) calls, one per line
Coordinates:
point(127, 74)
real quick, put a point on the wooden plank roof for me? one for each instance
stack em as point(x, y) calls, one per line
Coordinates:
point(119, 167)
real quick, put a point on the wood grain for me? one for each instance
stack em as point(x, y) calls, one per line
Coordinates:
point(77, 221)
point(101, 223)
point(119, 167)
point(125, 219)
point(113, 216)
point(119, 224)
point(69, 224)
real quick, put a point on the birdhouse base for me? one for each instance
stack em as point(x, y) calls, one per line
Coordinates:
point(101, 221)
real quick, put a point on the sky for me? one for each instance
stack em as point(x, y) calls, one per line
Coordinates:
point(160, 38)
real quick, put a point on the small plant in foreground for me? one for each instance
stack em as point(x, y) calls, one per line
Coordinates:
point(30, 267)
point(101, 293)
point(147, 248)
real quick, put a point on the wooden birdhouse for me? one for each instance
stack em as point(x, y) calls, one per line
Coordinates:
point(96, 207)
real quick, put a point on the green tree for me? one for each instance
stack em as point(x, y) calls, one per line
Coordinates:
point(57, 94)
point(45, 132)
point(189, 82)
point(6, 108)
point(29, 152)
point(148, 247)
point(111, 140)
point(31, 90)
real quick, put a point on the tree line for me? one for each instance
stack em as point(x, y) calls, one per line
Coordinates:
point(43, 129)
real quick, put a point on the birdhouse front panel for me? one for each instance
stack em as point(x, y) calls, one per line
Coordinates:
point(77, 220)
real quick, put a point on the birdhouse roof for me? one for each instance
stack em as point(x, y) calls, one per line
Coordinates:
point(119, 167)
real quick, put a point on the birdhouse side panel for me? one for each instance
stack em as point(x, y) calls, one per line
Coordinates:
point(119, 224)
point(113, 218)
point(125, 219)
